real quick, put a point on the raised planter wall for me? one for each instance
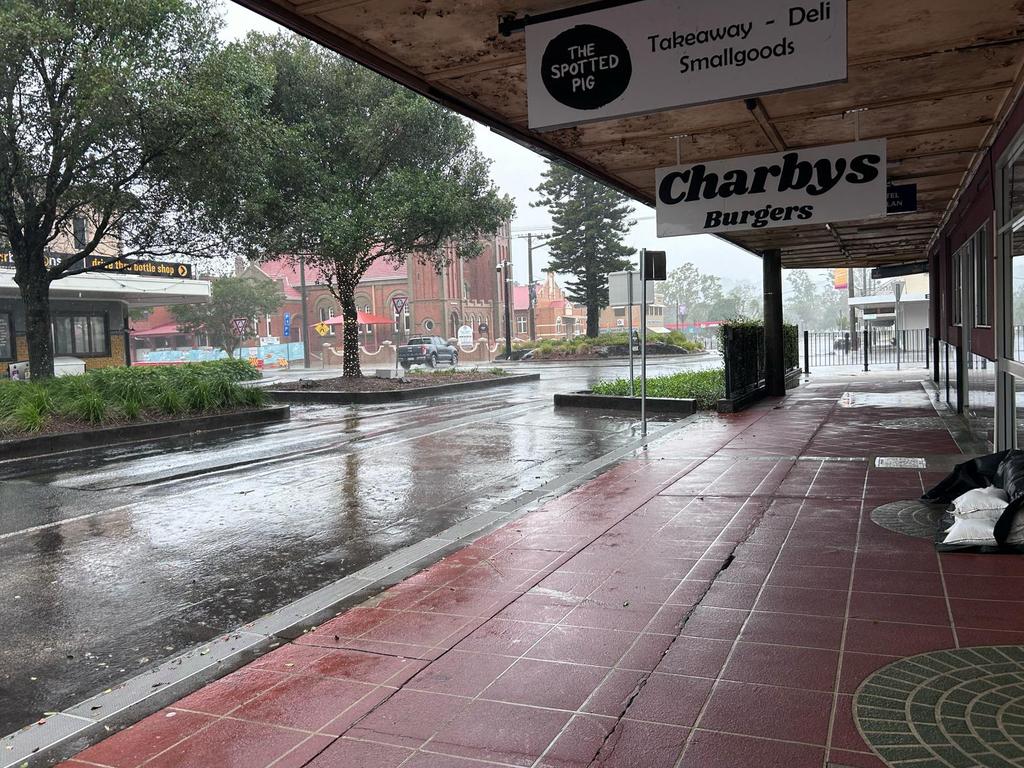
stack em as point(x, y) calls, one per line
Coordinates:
point(94, 438)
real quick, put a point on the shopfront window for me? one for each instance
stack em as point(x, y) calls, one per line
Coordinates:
point(1013, 234)
point(982, 279)
point(81, 335)
point(958, 288)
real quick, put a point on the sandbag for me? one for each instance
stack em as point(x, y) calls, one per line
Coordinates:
point(976, 473)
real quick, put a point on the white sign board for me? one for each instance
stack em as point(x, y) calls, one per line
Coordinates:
point(465, 336)
point(840, 182)
point(618, 289)
point(659, 54)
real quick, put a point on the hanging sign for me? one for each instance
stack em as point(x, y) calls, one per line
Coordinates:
point(841, 182)
point(901, 198)
point(652, 55)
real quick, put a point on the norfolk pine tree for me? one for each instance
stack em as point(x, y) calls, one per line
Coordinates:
point(590, 220)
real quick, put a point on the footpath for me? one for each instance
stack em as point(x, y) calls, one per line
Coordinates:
point(713, 602)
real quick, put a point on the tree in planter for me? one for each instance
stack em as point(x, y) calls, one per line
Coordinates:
point(230, 298)
point(125, 131)
point(365, 170)
point(590, 219)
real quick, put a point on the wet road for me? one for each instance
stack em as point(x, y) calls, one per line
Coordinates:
point(120, 558)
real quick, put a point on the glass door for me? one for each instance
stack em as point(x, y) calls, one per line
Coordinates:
point(1009, 314)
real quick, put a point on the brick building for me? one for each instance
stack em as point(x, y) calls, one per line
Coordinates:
point(556, 317)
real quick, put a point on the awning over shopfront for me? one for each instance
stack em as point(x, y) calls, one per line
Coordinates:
point(134, 290)
point(933, 77)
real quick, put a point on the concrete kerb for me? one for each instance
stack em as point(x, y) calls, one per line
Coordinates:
point(65, 442)
point(59, 735)
point(312, 396)
point(670, 405)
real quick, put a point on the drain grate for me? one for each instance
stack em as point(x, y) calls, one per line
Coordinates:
point(911, 518)
point(947, 709)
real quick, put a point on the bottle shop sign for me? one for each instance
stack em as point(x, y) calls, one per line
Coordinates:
point(652, 55)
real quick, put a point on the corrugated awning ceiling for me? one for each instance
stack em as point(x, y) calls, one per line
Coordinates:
point(934, 76)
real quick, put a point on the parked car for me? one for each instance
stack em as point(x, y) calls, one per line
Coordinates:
point(427, 350)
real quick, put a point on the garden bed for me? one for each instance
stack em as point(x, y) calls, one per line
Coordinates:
point(607, 345)
point(410, 380)
point(121, 397)
point(342, 391)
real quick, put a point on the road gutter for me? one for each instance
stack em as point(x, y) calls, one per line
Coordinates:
point(60, 735)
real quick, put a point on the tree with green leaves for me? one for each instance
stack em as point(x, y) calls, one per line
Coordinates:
point(126, 130)
point(590, 221)
point(365, 170)
point(702, 295)
point(813, 303)
point(230, 298)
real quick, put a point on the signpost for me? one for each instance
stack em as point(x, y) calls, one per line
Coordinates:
point(623, 290)
point(840, 182)
point(652, 55)
point(239, 325)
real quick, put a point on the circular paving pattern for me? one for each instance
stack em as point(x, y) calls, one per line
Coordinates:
point(947, 709)
point(911, 518)
point(913, 422)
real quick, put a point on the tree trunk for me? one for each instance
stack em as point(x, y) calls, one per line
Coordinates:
point(350, 331)
point(35, 292)
point(593, 320)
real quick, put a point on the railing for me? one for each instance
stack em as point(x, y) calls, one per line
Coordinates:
point(874, 346)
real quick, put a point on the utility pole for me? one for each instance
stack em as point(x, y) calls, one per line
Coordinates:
point(305, 313)
point(508, 309)
point(532, 289)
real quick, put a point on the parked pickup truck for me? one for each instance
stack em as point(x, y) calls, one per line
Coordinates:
point(427, 350)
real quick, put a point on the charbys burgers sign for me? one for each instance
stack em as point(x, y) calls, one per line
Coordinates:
point(841, 182)
point(650, 55)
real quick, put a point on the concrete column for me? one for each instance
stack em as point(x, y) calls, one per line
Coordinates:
point(775, 366)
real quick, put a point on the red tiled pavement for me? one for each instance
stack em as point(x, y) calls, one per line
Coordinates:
point(712, 603)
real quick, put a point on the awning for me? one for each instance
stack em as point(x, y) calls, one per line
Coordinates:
point(934, 77)
point(167, 329)
point(363, 318)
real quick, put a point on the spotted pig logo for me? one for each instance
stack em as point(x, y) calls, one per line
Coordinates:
point(586, 67)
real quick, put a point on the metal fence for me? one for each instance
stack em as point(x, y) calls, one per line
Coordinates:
point(874, 346)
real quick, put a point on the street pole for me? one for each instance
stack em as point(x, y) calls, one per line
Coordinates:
point(305, 314)
point(629, 332)
point(532, 290)
point(897, 289)
point(852, 292)
point(508, 309)
point(643, 344)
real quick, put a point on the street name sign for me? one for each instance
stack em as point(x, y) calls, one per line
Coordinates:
point(840, 182)
point(618, 289)
point(652, 55)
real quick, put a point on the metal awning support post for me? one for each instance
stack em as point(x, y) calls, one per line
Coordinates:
point(774, 346)
point(643, 343)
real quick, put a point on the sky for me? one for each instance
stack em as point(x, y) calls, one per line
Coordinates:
point(515, 170)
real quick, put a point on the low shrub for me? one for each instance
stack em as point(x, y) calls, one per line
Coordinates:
point(706, 387)
point(128, 394)
point(585, 346)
